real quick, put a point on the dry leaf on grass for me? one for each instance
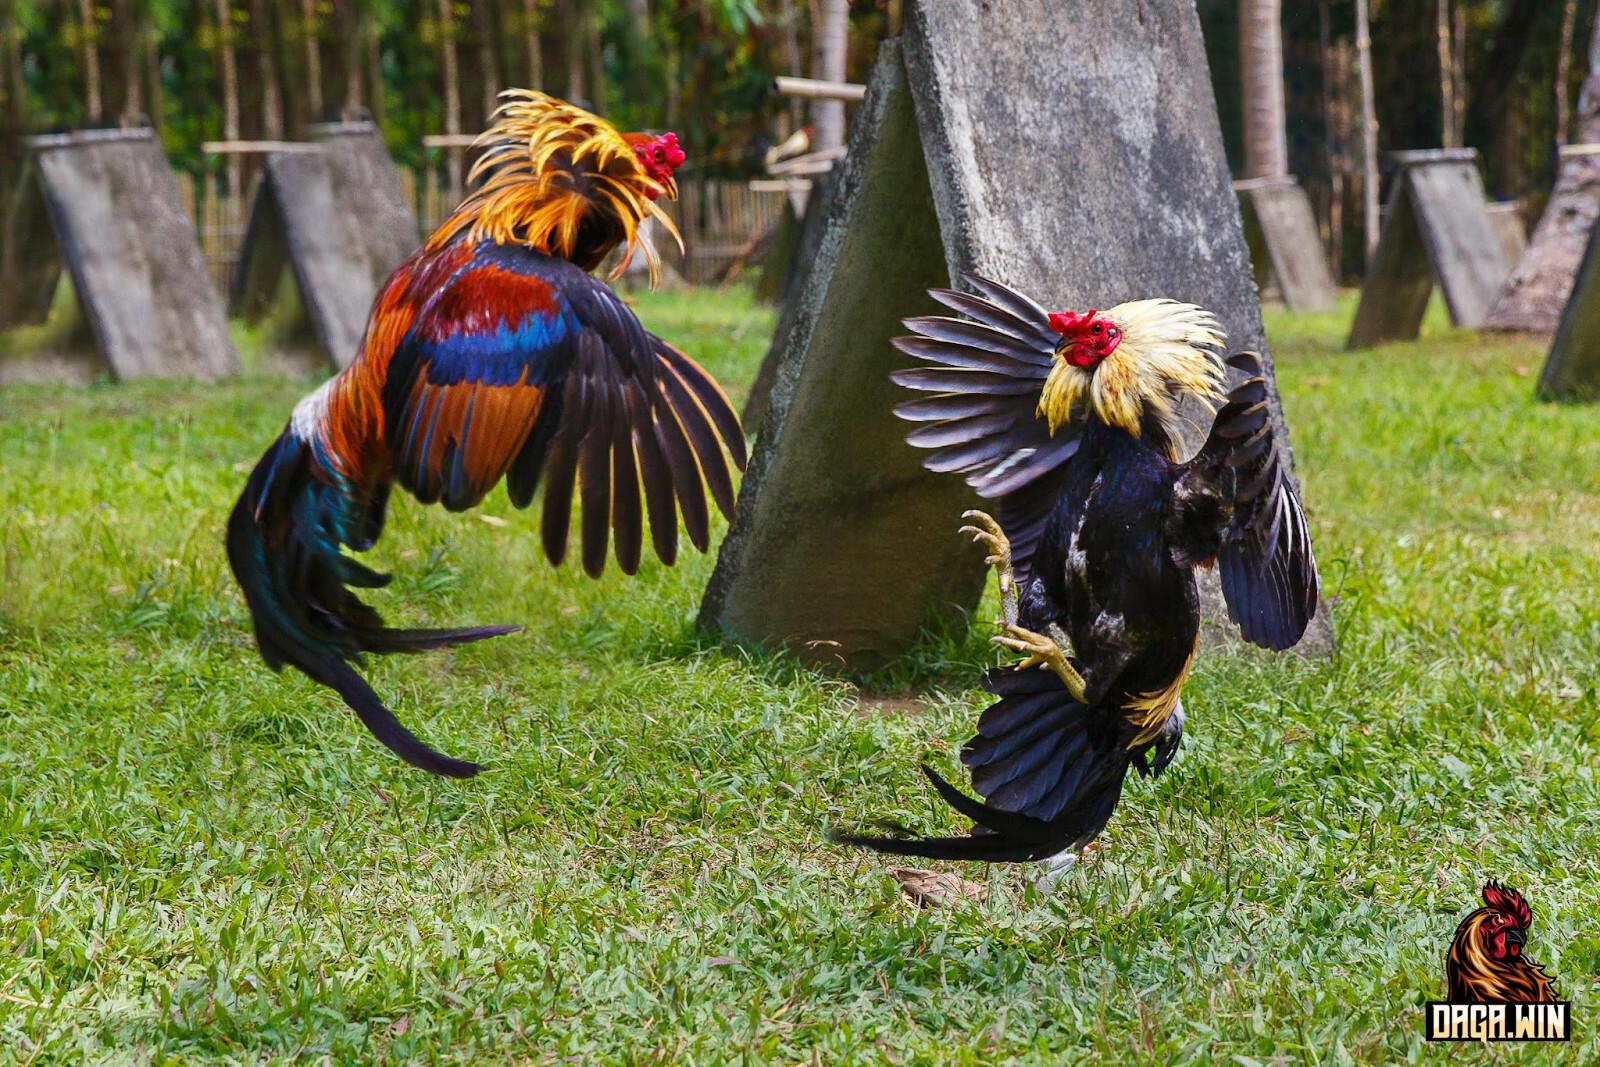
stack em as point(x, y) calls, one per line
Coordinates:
point(937, 888)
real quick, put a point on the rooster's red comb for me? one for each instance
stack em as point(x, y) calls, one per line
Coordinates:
point(1508, 902)
point(1065, 322)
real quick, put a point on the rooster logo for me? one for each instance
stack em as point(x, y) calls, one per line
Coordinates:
point(1486, 962)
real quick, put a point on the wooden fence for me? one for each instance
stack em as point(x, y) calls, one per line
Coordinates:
point(722, 222)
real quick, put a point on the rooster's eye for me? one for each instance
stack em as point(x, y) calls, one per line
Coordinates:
point(1098, 327)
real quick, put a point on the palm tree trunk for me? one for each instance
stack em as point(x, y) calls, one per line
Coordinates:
point(1369, 131)
point(267, 71)
point(1449, 136)
point(530, 31)
point(1266, 149)
point(452, 93)
point(790, 20)
point(597, 71)
point(128, 18)
point(229, 73)
point(832, 48)
point(308, 31)
point(91, 61)
point(1569, 19)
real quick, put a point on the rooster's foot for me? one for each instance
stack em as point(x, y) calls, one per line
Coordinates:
point(1042, 651)
point(993, 538)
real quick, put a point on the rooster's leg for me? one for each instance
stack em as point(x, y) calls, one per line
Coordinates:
point(994, 539)
point(1041, 650)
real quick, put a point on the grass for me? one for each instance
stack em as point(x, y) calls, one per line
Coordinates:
point(201, 861)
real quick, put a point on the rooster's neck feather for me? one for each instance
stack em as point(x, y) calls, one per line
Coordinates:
point(560, 180)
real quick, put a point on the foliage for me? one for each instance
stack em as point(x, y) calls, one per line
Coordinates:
point(200, 860)
point(703, 67)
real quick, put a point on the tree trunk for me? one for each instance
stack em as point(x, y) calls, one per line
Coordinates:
point(229, 74)
point(267, 71)
point(530, 32)
point(452, 93)
point(91, 62)
point(1334, 132)
point(1266, 149)
point(313, 71)
point(349, 21)
point(571, 22)
point(790, 19)
point(1369, 131)
point(597, 70)
point(832, 32)
point(1569, 19)
point(128, 21)
point(1449, 136)
point(1536, 291)
point(12, 114)
point(488, 58)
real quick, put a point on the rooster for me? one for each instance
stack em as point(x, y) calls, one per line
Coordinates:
point(491, 352)
point(1070, 422)
point(1485, 962)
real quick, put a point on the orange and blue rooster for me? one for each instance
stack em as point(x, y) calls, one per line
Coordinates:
point(491, 352)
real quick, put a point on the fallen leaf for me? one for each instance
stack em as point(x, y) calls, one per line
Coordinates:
point(722, 961)
point(1294, 735)
point(493, 520)
point(1521, 372)
point(937, 888)
point(399, 1027)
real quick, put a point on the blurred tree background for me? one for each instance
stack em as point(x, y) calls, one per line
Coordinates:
point(1498, 75)
point(206, 70)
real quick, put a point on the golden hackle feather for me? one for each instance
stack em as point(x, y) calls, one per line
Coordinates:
point(1168, 351)
point(1150, 712)
point(546, 166)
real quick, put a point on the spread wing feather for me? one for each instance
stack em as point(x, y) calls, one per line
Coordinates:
point(1235, 498)
point(525, 366)
point(984, 374)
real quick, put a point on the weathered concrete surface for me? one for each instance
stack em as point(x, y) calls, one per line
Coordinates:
point(1437, 227)
point(1572, 370)
point(335, 217)
point(112, 216)
point(1073, 151)
point(1507, 218)
point(1290, 245)
point(844, 547)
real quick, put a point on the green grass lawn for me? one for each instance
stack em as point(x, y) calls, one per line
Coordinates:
point(201, 860)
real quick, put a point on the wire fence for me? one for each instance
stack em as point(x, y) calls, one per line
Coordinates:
point(722, 221)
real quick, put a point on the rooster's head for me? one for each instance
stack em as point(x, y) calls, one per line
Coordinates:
point(1486, 961)
point(659, 155)
point(1131, 361)
point(1505, 928)
point(566, 182)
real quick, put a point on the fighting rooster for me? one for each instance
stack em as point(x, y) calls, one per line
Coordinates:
point(490, 352)
point(1485, 961)
point(1070, 422)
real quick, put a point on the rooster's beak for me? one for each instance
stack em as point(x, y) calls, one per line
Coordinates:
point(1516, 937)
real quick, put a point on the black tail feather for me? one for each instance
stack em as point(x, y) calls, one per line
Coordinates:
point(1052, 768)
point(285, 547)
